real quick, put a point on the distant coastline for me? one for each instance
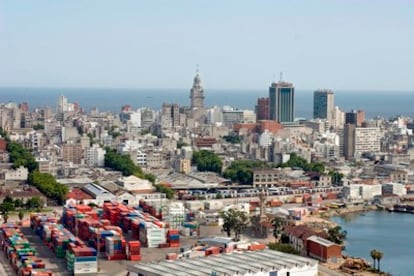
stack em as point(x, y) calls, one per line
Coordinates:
point(374, 103)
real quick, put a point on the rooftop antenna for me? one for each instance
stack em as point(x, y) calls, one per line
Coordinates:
point(281, 76)
point(274, 77)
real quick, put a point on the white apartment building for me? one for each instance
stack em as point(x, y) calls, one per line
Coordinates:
point(394, 189)
point(362, 191)
point(367, 140)
point(95, 156)
point(19, 174)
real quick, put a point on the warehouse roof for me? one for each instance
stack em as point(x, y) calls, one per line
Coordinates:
point(226, 264)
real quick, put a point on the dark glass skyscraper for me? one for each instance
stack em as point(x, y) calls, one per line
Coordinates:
point(323, 105)
point(282, 102)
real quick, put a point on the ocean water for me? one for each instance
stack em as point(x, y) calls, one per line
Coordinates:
point(391, 233)
point(375, 103)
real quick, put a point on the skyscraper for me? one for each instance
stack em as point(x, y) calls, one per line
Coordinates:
point(197, 93)
point(262, 109)
point(282, 102)
point(323, 105)
point(355, 117)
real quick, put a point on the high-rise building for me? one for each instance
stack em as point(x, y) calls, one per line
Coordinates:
point(171, 115)
point(359, 140)
point(323, 105)
point(355, 117)
point(282, 102)
point(262, 109)
point(349, 141)
point(197, 93)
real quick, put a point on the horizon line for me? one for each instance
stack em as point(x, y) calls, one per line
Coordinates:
point(211, 88)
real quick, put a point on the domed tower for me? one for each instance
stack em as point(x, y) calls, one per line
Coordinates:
point(197, 93)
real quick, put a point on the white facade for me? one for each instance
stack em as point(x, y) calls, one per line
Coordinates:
point(362, 191)
point(394, 189)
point(367, 140)
point(141, 158)
point(133, 183)
point(95, 156)
point(19, 174)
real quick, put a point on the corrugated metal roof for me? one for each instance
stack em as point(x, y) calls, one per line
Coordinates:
point(230, 264)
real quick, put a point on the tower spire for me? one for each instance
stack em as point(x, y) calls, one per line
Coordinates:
point(197, 68)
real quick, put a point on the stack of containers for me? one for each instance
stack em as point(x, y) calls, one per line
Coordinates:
point(115, 248)
point(19, 252)
point(176, 214)
point(151, 234)
point(133, 251)
point(99, 234)
point(173, 238)
point(79, 257)
point(190, 228)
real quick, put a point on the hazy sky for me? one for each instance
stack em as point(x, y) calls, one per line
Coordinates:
point(239, 44)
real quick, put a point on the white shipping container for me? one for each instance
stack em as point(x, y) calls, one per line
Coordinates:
point(194, 205)
point(213, 205)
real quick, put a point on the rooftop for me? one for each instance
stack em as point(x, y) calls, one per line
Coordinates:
point(227, 264)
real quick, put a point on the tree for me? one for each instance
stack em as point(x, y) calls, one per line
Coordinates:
point(18, 203)
point(21, 215)
point(282, 247)
point(373, 256)
point(234, 221)
point(278, 224)
point(6, 207)
point(337, 235)
point(241, 171)
point(379, 256)
point(5, 217)
point(47, 184)
point(336, 177)
point(34, 203)
point(219, 195)
point(207, 161)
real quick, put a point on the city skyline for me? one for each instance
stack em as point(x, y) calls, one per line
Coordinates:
point(330, 44)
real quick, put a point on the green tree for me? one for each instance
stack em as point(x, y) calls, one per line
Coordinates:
point(379, 256)
point(234, 221)
point(337, 235)
point(8, 199)
point(34, 203)
point(278, 224)
point(207, 161)
point(241, 171)
point(48, 185)
point(5, 217)
point(336, 177)
point(18, 203)
point(296, 161)
point(373, 254)
point(282, 247)
point(232, 138)
point(219, 195)
point(6, 207)
point(169, 193)
point(21, 215)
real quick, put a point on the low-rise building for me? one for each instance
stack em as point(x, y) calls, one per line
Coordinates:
point(136, 184)
point(100, 194)
point(394, 189)
point(19, 174)
point(323, 250)
point(362, 191)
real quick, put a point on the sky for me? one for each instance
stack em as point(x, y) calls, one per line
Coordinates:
point(238, 44)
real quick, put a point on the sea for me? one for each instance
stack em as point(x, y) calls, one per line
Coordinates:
point(391, 233)
point(386, 104)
